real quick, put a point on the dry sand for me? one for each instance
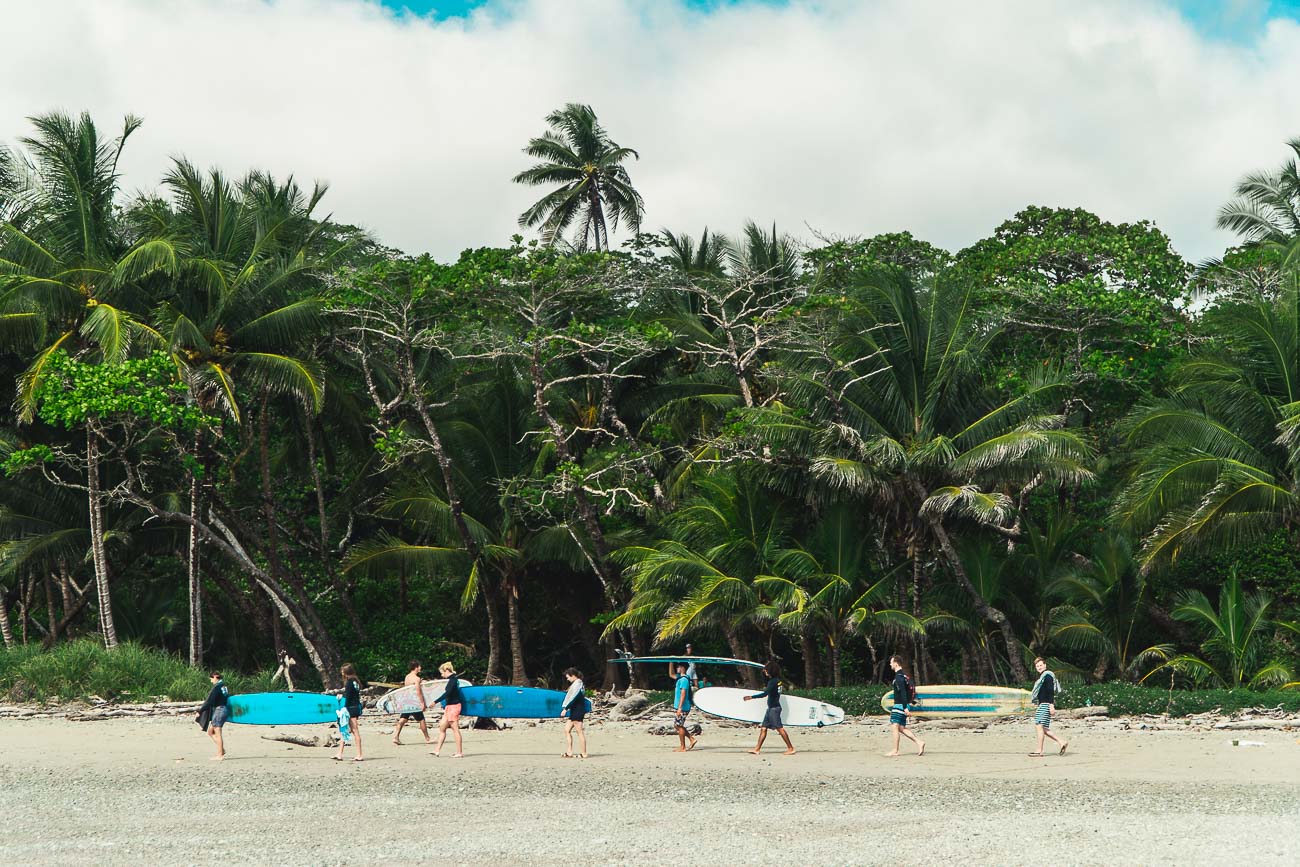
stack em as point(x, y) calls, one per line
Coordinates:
point(144, 792)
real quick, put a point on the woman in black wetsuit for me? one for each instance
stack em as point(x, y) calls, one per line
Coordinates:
point(351, 701)
point(772, 718)
point(575, 707)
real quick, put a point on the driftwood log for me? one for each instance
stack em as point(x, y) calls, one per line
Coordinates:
point(294, 739)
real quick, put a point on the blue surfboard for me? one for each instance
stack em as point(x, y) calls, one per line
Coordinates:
point(284, 708)
point(511, 702)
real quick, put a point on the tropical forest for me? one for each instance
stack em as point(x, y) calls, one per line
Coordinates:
point(237, 428)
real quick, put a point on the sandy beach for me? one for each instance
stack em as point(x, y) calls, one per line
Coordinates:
point(144, 791)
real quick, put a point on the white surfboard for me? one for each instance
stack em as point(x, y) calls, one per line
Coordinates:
point(730, 703)
point(404, 700)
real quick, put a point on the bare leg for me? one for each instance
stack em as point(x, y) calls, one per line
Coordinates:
point(356, 733)
point(920, 744)
point(681, 740)
point(762, 736)
point(442, 737)
point(455, 733)
point(424, 730)
point(568, 739)
point(582, 738)
point(897, 733)
point(215, 734)
point(1048, 733)
point(1042, 733)
point(789, 747)
point(397, 732)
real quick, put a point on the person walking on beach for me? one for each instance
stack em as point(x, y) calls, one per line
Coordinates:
point(413, 679)
point(904, 697)
point(1044, 696)
point(771, 719)
point(682, 708)
point(452, 702)
point(351, 701)
point(216, 707)
point(575, 705)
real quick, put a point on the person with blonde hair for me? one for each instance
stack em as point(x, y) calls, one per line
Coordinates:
point(452, 702)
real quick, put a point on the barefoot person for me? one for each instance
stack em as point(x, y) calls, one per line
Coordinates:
point(1044, 696)
point(351, 701)
point(452, 703)
point(413, 679)
point(575, 707)
point(682, 708)
point(216, 707)
point(771, 719)
point(904, 696)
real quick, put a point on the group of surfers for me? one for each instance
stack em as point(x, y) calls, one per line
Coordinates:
point(214, 711)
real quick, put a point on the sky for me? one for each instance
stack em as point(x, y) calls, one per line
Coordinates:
point(828, 118)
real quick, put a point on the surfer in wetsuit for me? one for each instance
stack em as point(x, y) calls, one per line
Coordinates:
point(682, 707)
point(771, 719)
point(575, 706)
point(452, 702)
point(413, 679)
point(351, 701)
point(902, 709)
point(217, 707)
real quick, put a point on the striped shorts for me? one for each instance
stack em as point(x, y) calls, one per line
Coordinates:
point(897, 716)
point(1043, 716)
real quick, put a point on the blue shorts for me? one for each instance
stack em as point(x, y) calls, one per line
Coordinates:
point(772, 719)
point(1043, 716)
point(897, 717)
point(219, 715)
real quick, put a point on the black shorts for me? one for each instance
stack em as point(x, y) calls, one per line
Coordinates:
point(354, 712)
point(414, 716)
point(577, 714)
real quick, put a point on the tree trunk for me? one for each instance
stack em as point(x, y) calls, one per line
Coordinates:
point(99, 556)
point(6, 629)
point(494, 635)
point(994, 616)
point(50, 611)
point(809, 659)
point(192, 569)
point(740, 650)
point(518, 675)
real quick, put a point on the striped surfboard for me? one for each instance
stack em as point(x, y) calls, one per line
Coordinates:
point(946, 700)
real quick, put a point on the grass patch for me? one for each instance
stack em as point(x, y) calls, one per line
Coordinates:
point(80, 669)
point(1122, 699)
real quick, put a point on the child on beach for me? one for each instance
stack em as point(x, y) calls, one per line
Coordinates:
point(413, 679)
point(1044, 696)
point(771, 719)
point(351, 701)
point(682, 707)
point(575, 705)
point(902, 709)
point(452, 702)
point(217, 707)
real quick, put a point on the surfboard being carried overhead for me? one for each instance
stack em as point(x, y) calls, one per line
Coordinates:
point(698, 660)
point(948, 700)
point(730, 703)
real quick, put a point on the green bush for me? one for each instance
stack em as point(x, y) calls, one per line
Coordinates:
point(83, 668)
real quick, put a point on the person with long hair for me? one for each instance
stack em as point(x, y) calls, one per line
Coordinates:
point(575, 708)
point(351, 701)
point(772, 718)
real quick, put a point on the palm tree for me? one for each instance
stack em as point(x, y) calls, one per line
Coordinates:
point(592, 186)
point(706, 258)
point(1105, 610)
point(906, 420)
point(1216, 457)
point(769, 260)
point(71, 275)
point(1267, 208)
point(1236, 637)
point(829, 583)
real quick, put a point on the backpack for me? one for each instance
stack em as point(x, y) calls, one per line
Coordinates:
point(911, 691)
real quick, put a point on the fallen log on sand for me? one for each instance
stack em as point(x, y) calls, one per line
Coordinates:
point(294, 739)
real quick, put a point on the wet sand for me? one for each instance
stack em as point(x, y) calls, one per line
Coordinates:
point(144, 791)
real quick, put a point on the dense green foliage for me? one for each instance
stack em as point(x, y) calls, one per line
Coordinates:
point(239, 430)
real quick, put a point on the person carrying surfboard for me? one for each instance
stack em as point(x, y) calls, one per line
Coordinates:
point(904, 698)
point(1043, 695)
point(413, 679)
point(452, 702)
point(771, 719)
point(575, 706)
point(682, 707)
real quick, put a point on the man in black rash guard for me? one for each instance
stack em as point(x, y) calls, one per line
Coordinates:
point(771, 719)
point(217, 706)
point(902, 709)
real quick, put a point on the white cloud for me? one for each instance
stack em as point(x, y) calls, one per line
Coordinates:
point(849, 117)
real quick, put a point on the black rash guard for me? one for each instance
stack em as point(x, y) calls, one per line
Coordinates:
point(772, 691)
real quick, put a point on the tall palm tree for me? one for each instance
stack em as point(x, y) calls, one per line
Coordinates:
point(907, 421)
point(72, 275)
point(591, 185)
point(1267, 208)
point(706, 257)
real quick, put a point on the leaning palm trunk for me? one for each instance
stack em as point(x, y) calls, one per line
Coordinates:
point(6, 629)
point(518, 674)
point(98, 555)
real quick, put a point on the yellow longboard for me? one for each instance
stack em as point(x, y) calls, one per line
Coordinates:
point(944, 700)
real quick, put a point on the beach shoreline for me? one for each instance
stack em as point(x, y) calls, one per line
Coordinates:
point(126, 790)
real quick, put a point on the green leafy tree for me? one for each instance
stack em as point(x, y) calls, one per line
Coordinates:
point(592, 187)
